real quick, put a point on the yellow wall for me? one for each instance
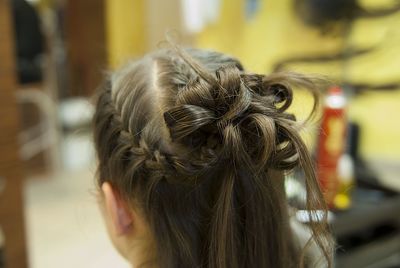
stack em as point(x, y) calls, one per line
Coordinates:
point(135, 27)
point(125, 29)
point(272, 34)
point(276, 33)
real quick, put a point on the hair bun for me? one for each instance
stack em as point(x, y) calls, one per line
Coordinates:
point(185, 119)
point(241, 114)
point(208, 106)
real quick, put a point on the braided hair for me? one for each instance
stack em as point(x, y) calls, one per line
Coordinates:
point(201, 145)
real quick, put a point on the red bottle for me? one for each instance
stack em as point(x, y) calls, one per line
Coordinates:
point(331, 143)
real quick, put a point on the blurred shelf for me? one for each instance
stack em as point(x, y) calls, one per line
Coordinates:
point(368, 235)
point(373, 254)
point(363, 216)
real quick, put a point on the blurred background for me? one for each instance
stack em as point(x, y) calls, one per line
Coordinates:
point(54, 53)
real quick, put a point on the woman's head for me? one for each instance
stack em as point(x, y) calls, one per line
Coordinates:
point(192, 153)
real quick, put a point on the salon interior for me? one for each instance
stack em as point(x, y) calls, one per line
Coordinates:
point(54, 54)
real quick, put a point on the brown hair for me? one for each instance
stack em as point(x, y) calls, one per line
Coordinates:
point(201, 146)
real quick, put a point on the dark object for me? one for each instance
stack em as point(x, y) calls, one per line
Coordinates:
point(340, 56)
point(316, 12)
point(2, 264)
point(322, 58)
point(324, 13)
point(353, 136)
point(359, 87)
point(365, 176)
point(2, 257)
point(29, 41)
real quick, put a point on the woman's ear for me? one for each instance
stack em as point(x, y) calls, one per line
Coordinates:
point(116, 210)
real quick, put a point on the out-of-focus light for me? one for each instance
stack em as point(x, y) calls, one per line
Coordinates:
point(316, 215)
point(198, 13)
point(33, 2)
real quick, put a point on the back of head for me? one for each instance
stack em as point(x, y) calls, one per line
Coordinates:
point(201, 146)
